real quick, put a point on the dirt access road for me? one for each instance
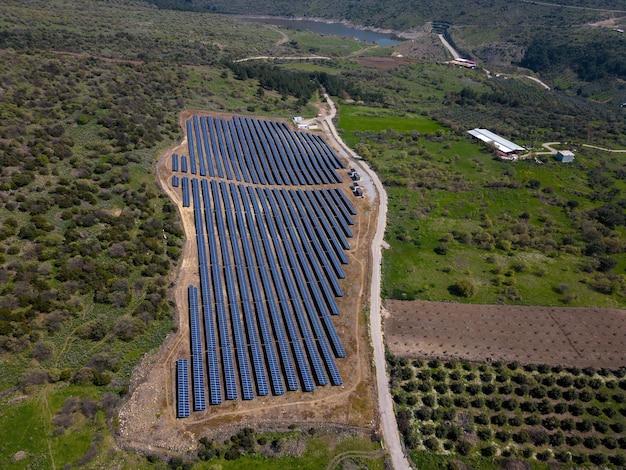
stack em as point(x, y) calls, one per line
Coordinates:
point(385, 403)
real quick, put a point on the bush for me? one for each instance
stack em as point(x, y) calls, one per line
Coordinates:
point(432, 443)
point(463, 288)
point(464, 447)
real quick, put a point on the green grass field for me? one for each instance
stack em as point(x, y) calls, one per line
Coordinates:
point(502, 224)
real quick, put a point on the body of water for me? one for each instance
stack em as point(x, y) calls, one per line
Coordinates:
point(331, 29)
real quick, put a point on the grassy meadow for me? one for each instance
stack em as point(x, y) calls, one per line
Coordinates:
point(456, 213)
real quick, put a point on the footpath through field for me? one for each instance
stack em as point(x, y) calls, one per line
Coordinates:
point(385, 404)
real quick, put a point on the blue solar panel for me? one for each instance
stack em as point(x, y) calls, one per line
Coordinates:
point(217, 157)
point(197, 368)
point(334, 214)
point(344, 199)
point(283, 347)
point(236, 144)
point(340, 206)
point(312, 247)
point(182, 389)
point(174, 162)
point(218, 294)
point(222, 146)
point(235, 236)
point(183, 164)
point(232, 157)
point(198, 139)
point(194, 321)
point(231, 287)
point(175, 181)
point(191, 147)
point(186, 201)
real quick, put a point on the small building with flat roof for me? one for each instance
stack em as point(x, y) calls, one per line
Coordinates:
point(565, 156)
point(503, 145)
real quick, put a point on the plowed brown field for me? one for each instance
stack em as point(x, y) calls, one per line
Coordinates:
point(542, 335)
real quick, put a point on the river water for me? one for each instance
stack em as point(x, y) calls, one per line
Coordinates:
point(330, 29)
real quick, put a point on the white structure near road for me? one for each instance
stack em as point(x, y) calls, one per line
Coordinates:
point(565, 156)
point(503, 145)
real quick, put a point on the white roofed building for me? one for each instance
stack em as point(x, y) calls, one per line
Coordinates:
point(503, 145)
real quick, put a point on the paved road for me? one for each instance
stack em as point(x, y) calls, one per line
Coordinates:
point(452, 50)
point(391, 437)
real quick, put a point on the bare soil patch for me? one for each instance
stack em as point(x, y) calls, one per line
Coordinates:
point(578, 337)
point(383, 63)
point(147, 421)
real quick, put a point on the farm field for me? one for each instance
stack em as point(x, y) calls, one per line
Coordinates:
point(573, 337)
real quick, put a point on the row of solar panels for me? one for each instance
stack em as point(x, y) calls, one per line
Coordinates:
point(256, 151)
point(273, 258)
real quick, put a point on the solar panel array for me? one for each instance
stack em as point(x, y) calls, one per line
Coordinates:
point(258, 152)
point(270, 259)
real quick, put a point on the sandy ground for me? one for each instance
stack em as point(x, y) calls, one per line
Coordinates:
point(542, 335)
point(147, 421)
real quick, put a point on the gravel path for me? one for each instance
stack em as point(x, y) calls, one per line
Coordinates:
point(385, 404)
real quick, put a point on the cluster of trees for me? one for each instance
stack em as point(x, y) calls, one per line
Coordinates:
point(245, 442)
point(302, 84)
point(83, 224)
point(549, 413)
point(599, 55)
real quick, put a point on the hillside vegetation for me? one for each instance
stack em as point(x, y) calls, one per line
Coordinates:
point(90, 95)
point(548, 38)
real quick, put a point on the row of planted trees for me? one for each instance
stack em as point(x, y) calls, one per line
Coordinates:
point(542, 412)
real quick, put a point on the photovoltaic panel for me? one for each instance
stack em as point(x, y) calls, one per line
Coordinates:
point(175, 181)
point(183, 164)
point(324, 234)
point(194, 321)
point(185, 182)
point(234, 138)
point(248, 314)
point(231, 287)
point(342, 197)
point(191, 147)
point(199, 397)
point(339, 205)
point(217, 157)
point(218, 295)
point(198, 139)
point(334, 214)
point(182, 389)
point(288, 269)
point(329, 223)
point(174, 162)
point(232, 157)
point(317, 256)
